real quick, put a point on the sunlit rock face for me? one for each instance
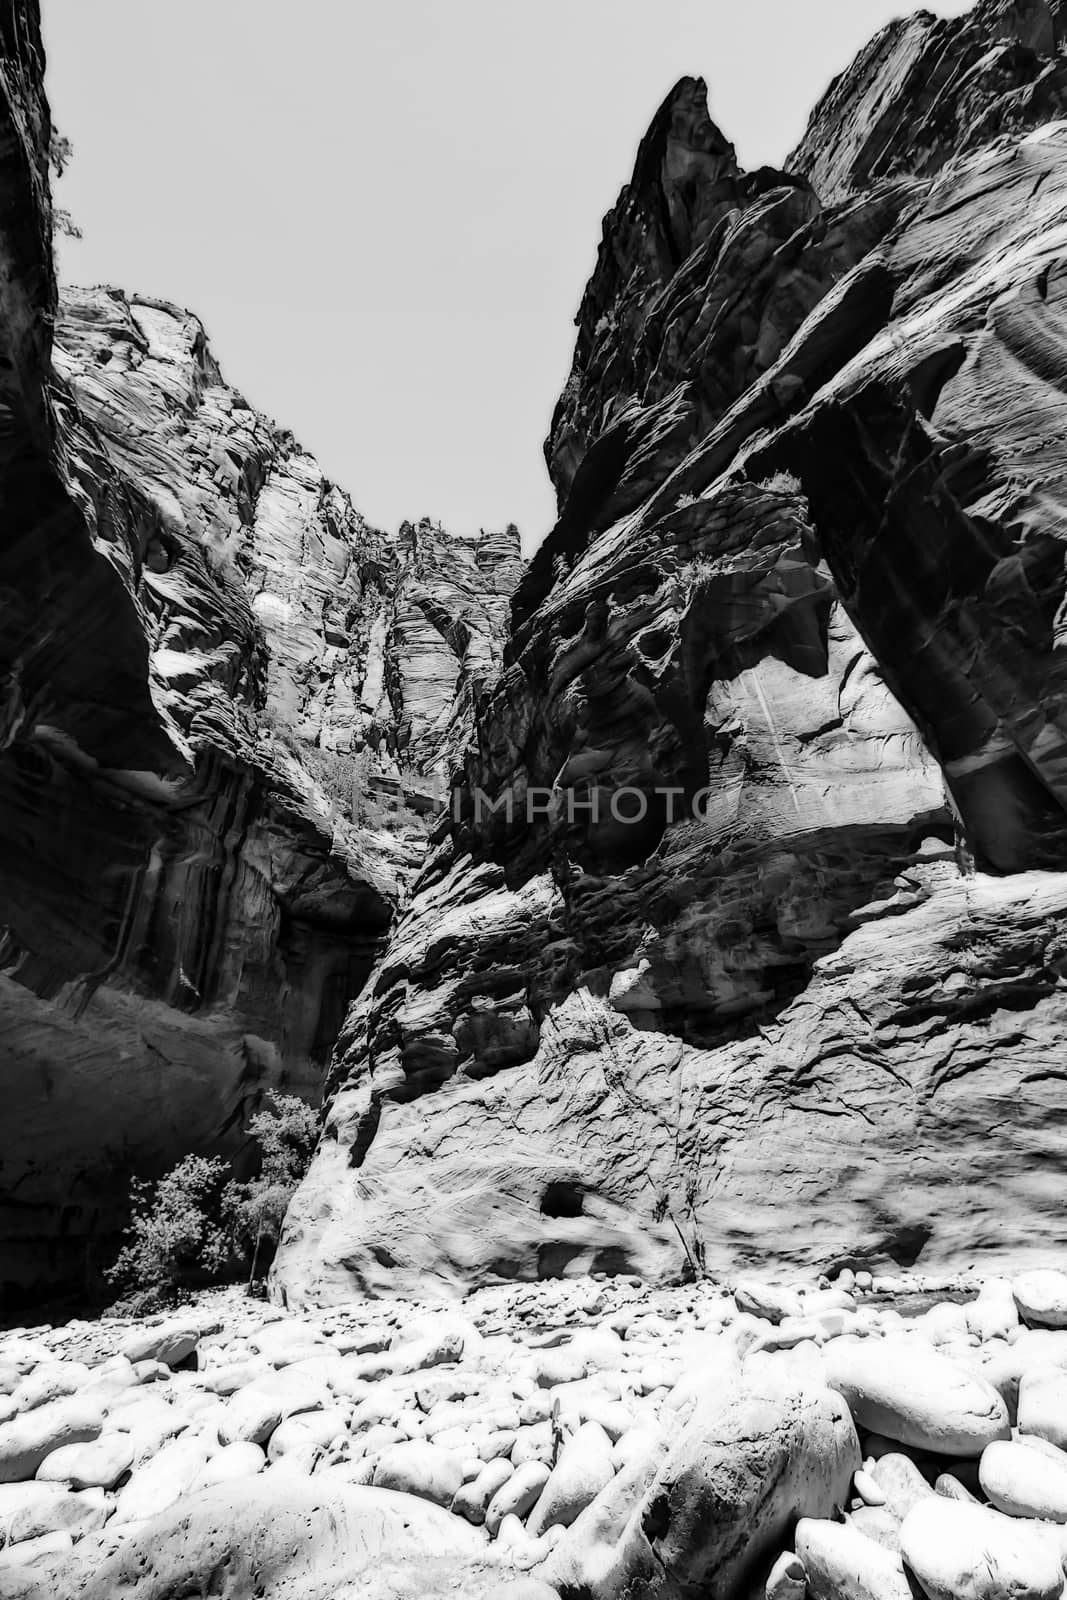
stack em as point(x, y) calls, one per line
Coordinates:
point(808, 571)
point(208, 660)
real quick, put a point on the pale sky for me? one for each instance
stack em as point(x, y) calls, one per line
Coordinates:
point(385, 211)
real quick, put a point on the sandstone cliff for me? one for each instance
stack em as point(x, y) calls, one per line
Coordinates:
point(808, 569)
point(206, 656)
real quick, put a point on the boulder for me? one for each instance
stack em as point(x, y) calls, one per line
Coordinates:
point(840, 1563)
point(472, 1500)
point(52, 1380)
point(518, 1496)
point(767, 1301)
point(29, 1510)
point(585, 1466)
point(28, 1438)
point(316, 1428)
point(96, 1465)
point(1042, 1405)
point(721, 1501)
point(903, 1389)
point(1025, 1482)
point(1041, 1298)
point(969, 1552)
point(282, 1539)
point(241, 1460)
point(254, 1412)
point(421, 1470)
point(161, 1481)
point(169, 1342)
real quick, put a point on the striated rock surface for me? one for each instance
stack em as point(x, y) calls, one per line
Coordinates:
point(216, 684)
point(749, 922)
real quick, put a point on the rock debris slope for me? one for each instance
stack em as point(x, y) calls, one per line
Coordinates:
point(205, 649)
point(808, 571)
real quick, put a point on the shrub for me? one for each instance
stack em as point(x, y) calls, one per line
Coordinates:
point(254, 1212)
point(193, 1227)
point(175, 1240)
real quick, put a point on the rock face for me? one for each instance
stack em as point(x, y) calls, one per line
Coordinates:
point(749, 920)
point(208, 661)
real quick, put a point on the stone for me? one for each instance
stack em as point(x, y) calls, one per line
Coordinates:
point(1041, 1298)
point(868, 1489)
point(585, 1466)
point(31, 1510)
point(787, 1579)
point(901, 1388)
point(277, 1540)
point(1042, 1405)
point(877, 1523)
point(763, 1300)
point(420, 1469)
point(162, 1480)
point(233, 1461)
point(170, 1343)
point(253, 1413)
point(721, 1501)
point(96, 1465)
point(472, 1500)
point(51, 1380)
point(1025, 1482)
point(900, 1482)
point(317, 1428)
point(842, 1564)
point(31, 1436)
point(48, 1550)
point(965, 1552)
point(518, 1495)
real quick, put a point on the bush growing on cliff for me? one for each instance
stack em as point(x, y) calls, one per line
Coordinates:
point(199, 1225)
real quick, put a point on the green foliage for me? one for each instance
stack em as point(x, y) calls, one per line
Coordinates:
point(253, 1212)
point(175, 1240)
point(193, 1227)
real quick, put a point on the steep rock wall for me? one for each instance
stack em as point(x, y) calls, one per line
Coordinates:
point(207, 660)
point(809, 565)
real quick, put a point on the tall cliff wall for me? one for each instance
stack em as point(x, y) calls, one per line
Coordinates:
point(808, 570)
point(202, 647)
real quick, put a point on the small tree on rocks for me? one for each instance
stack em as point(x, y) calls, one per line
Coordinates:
point(254, 1212)
point(175, 1240)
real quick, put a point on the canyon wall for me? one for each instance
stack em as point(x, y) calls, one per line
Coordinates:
point(803, 1000)
point(222, 692)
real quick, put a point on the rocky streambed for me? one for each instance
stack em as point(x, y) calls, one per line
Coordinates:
point(857, 1440)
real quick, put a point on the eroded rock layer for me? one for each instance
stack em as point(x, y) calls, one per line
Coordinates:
point(802, 997)
point(211, 666)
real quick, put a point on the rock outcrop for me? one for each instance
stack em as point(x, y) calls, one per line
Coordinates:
point(748, 924)
point(222, 696)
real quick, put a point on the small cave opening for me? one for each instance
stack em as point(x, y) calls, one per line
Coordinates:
point(562, 1199)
